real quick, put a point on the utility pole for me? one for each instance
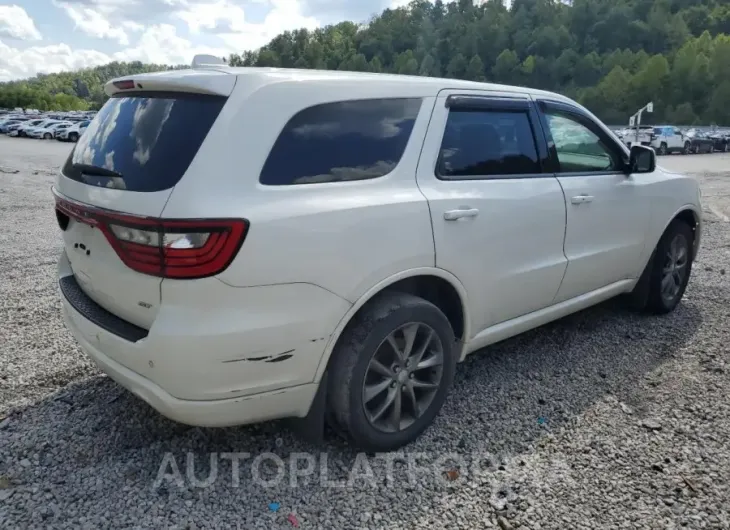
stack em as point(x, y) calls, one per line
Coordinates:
point(635, 120)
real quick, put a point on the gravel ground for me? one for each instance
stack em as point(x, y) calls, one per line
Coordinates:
point(605, 419)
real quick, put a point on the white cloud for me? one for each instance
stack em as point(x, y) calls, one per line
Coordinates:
point(94, 23)
point(132, 26)
point(220, 15)
point(16, 63)
point(284, 15)
point(15, 23)
point(144, 31)
point(161, 44)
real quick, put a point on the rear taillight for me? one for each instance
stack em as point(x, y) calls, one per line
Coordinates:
point(169, 248)
point(126, 84)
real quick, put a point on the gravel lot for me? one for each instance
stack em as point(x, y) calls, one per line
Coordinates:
point(605, 419)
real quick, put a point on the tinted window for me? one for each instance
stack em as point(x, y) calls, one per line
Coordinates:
point(579, 149)
point(143, 143)
point(348, 140)
point(484, 143)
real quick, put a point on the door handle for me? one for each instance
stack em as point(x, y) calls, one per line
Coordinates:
point(453, 215)
point(580, 199)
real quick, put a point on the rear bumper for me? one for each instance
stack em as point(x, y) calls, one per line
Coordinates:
point(217, 355)
point(289, 402)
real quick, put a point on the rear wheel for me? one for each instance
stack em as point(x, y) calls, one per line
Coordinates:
point(47, 136)
point(391, 371)
point(687, 148)
point(669, 269)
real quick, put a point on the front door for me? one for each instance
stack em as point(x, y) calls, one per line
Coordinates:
point(498, 218)
point(608, 210)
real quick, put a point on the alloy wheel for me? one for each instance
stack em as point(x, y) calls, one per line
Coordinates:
point(675, 267)
point(403, 376)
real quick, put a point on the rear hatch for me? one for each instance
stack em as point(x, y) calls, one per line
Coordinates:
point(115, 183)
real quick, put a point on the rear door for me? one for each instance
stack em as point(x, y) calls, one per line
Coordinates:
point(498, 219)
point(128, 161)
point(607, 210)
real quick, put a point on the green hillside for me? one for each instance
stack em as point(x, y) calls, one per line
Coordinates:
point(612, 55)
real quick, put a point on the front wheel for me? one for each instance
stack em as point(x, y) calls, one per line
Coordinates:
point(47, 136)
point(669, 270)
point(687, 148)
point(73, 137)
point(663, 149)
point(391, 371)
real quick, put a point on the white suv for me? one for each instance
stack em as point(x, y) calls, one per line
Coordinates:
point(668, 139)
point(74, 132)
point(244, 244)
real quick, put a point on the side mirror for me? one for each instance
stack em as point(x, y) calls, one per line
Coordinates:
point(641, 160)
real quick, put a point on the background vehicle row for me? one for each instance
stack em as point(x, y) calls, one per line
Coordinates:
point(667, 139)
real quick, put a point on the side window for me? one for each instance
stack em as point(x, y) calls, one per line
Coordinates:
point(347, 140)
point(487, 143)
point(578, 148)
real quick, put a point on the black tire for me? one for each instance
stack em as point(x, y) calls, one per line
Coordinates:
point(663, 149)
point(352, 356)
point(47, 136)
point(651, 279)
point(73, 137)
point(726, 147)
point(687, 148)
point(21, 134)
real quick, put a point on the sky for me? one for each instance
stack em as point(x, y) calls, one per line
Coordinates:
point(44, 36)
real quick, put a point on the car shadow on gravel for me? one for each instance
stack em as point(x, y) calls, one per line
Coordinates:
point(505, 399)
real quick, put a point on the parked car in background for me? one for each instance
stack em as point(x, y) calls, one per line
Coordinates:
point(5, 124)
point(32, 132)
point(47, 130)
point(61, 127)
point(645, 135)
point(74, 132)
point(22, 131)
point(669, 139)
point(513, 206)
point(14, 129)
point(700, 142)
point(721, 141)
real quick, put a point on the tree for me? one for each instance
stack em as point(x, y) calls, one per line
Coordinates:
point(505, 67)
point(475, 69)
point(457, 66)
point(429, 67)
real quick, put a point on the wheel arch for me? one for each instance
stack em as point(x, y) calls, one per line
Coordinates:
point(411, 281)
point(689, 215)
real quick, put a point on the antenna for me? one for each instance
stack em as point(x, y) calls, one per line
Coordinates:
point(203, 60)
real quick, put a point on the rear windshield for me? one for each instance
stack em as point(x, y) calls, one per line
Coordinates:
point(143, 143)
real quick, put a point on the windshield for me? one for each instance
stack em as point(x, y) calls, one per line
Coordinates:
point(144, 142)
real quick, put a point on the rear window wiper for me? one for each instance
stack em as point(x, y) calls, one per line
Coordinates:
point(96, 171)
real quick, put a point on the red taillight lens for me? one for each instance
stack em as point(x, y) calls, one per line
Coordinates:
point(169, 248)
point(126, 84)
